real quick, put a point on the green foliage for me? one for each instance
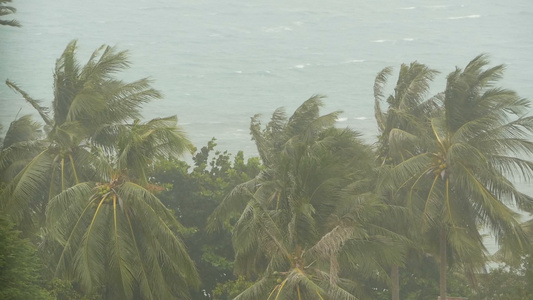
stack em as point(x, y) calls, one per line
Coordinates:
point(64, 290)
point(193, 193)
point(20, 268)
point(231, 289)
point(461, 180)
point(87, 116)
point(305, 224)
point(83, 184)
point(504, 283)
point(507, 281)
point(400, 126)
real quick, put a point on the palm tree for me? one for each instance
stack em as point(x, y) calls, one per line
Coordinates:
point(7, 10)
point(85, 182)
point(463, 182)
point(115, 236)
point(305, 223)
point(87, 101)
point(400, 126)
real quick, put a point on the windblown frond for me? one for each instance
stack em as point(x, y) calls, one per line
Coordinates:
point(43, 111)
point(120, 235)
point(7, 10)
point(298, 214)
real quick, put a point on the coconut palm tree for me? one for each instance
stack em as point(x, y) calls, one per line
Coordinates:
point(114, 236)
point(462, 184)
point(7, 10)
point(305, 221)
point(84, 183)
point(87, 101)
point(400, 126)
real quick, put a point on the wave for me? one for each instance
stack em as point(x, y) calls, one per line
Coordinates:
point(360, 118)
point(408, 8)
point(300, 66)
point(342, 119)
point(276, 29)
point(226, 72)
point(381, 41)
point(407, 39)
point(353, 61)
point(465, 17)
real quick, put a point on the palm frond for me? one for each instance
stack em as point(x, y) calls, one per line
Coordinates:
point(21, 130)
point(43, 111)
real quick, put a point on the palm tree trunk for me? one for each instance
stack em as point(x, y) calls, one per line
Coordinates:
point(443, 264)
point(395, 278)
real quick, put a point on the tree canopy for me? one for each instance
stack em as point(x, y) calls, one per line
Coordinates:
point(106, 200)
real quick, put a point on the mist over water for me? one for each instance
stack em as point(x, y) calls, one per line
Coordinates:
point(220, 62)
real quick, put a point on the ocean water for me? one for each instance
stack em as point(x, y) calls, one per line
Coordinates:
point(220, 62)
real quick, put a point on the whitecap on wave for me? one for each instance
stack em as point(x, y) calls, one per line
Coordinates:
point(408, 39)
point(354, 61)
point(300, 66)
point(342, 119)
point(465, 17)
point(360, 118)
point(408, 8)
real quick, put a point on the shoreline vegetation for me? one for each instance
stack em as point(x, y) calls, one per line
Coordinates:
point(96, 203)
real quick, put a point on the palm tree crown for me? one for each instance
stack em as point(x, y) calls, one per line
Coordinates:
point(305, 221)
point(84, 182)
point(475, 147)
point(88, 105)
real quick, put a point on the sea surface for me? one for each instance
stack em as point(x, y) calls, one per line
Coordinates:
point(220, 62)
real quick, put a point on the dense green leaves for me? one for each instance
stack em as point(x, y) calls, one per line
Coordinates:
point(89, 109)
point(193, 192)
point(119, 235)
point(307, 213)
point(83, 184)
point(461, 181)
point(20, 267)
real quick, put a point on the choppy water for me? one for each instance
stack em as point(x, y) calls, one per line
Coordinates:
point(220, 62)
